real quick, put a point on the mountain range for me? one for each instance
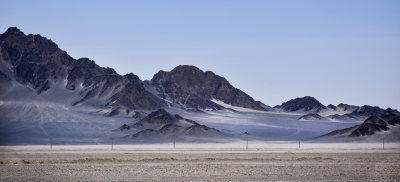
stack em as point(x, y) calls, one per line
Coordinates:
point(45, 93)
point(163, 126)
point(376, 127)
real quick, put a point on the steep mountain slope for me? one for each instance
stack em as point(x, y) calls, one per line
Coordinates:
point(195, 89)
point(45, 93)
point(266, 107)
point(36, 63)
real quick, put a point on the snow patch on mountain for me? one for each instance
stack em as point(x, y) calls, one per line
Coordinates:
point(240, 109)
point(263, 126)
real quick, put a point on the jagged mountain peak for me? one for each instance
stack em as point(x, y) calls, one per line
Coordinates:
point(390, 110)
point(302, 104)
point(38, 64)
point(186, 68)
point(86, 61)
point(20, 48)
point(193, 88)
point(330, 106)
point(309, 99)
point(367, 110)
point(370, 109)
point(187, 74)
point(342, 105)
point(131, 76)
point(305, 99)
point(13, 31)
point(193, 70)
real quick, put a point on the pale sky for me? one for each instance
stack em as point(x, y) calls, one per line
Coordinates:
point(336, 51)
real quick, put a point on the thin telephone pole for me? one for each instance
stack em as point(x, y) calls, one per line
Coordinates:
point(298, 132)
point(112, 143)
point(247, 142)
point(51, 143)
point(174, 142)
point(247, 139)
point(299, 140)
point(383, 142)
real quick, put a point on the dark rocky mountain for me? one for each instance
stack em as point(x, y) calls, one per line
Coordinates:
point(37, 63)
point(159, 117)
point(305, 104)
point(161, 125)
point(314, 110)
point(193, 88)
point(371, 126)
point(366, 111)
point(58, 96)
point(162, 117)
point(363, 112)
point(202, 131)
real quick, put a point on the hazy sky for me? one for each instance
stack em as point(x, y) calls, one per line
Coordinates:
point(337, 51)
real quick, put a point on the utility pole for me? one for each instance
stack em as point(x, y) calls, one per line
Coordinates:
point(247, 142)
point(299, 141)
point(174, 142)
point(383, 142)
point(247, 139)
point(51, 143)
point(112, 143)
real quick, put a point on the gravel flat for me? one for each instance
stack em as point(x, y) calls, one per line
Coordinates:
point(202, 165)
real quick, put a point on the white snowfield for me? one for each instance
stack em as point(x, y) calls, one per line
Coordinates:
point(240, 109)
point(269, 126)
point(40, 120)
point(28, 118)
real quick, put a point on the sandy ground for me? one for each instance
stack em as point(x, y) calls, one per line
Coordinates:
point(200, 165)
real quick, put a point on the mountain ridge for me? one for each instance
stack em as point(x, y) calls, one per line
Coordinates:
point(194, 88)
point(51, 91)
point(37, 63)
point(373, 125)
point(160, 124)
point(313, 109)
